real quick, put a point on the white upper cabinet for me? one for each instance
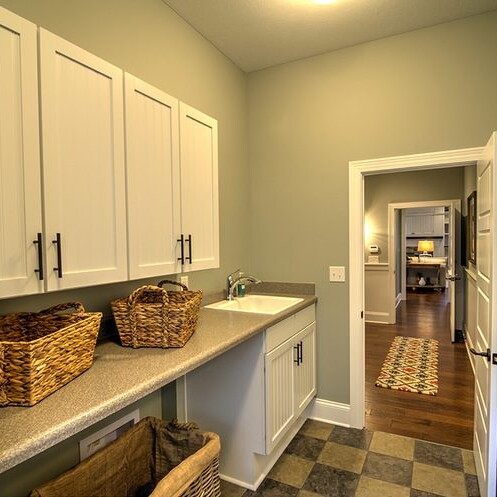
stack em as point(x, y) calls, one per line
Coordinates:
point(20, 204)
point(104, 220)
point(152, 165)
point(199, 190)
point(83, 166)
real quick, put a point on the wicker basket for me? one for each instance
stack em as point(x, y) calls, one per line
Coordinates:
point(154, 317)
point(152, 458)
point(42, 351)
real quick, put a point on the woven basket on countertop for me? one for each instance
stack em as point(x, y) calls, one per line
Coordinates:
point(154, 317)
point(42, 351)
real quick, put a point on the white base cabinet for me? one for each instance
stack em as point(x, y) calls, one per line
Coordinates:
point(254, 396)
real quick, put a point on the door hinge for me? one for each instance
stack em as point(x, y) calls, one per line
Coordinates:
point(494, 359)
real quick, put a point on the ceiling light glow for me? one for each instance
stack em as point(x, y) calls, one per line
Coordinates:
point(323, 2)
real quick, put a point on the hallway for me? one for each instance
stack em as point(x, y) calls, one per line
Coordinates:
point(446, 418)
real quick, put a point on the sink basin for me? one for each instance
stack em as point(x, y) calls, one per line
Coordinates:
point(259, 304)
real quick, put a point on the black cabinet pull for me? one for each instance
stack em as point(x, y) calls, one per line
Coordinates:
point(301, 349)
point(189, 241)
point(297, 348)
point(39, 244)
point(57, 242)
point(181, 240)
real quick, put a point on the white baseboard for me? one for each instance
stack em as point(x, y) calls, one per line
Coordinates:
point(330, 412)
point(377, 317)
point(398, 300)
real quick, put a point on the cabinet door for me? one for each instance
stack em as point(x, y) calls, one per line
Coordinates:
point(83, 166)
point(280, 399)
point(20, 189)
point(152, 174)
point(199, 189)
point(305, 371)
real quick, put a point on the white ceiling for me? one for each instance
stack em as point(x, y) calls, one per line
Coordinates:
point(256, 34)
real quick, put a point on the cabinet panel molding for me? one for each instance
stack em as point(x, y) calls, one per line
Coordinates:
point(199, 187)
point(83, 165)
point(280, 396)
point(20, 187)
point(152, 175)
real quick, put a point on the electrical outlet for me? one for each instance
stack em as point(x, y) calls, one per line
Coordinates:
point(103, 437)
point(183, 280)
point(337, 273)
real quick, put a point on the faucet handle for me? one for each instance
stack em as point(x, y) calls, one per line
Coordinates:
point(230, 276)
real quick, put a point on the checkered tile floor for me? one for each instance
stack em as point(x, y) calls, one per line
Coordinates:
point(332, 461)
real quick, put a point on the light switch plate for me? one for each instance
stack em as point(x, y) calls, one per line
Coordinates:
point(183, 280)
point(337, 273)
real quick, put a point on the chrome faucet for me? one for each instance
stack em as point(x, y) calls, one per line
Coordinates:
point(232, 283)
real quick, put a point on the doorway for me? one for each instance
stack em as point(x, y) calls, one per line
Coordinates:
point(485, 433)
point(420, 300)
point(357, 171)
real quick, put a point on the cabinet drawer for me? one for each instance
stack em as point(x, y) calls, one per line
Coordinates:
point(279, 333)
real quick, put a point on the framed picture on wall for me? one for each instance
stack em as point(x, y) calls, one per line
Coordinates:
point(471, 228)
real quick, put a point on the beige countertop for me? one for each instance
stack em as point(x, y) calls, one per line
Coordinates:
point(120, 376)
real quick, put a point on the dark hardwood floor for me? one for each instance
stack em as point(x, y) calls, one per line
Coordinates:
point(446, 418)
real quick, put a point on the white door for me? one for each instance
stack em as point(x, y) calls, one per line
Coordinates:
point(485, 436)
point(152, 175)
point(83, 166)
point(450, 274)
point(280, 399)
point(20, 187)
point(199, 248)
point(305, 367)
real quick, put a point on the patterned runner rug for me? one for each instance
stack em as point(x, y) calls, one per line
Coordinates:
point(411, 365)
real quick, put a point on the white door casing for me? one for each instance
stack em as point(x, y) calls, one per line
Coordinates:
point(357, 171)
point(20, 186)
point(485, 432)
point(83, 165)
point(152, 176)
point(451, 271)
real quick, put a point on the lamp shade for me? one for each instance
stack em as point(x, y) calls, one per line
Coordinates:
point(425, 246)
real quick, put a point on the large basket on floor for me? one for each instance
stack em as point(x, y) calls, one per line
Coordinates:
point(42, 351)
point(152, 458)
point(154, 317)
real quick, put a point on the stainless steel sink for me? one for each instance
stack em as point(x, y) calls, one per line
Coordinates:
point(259, 304)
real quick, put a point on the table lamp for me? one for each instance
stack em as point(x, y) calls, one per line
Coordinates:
point(425, 246)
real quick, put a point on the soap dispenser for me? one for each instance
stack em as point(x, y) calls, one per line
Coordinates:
point(240, 288)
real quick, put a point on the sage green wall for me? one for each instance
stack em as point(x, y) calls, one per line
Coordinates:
point(147, 39)
point(380, 190)
point(427, 90)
